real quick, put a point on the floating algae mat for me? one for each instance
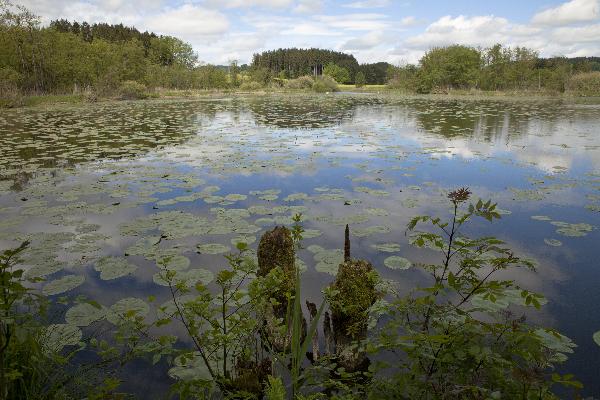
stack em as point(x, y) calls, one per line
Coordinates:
point(116, 196)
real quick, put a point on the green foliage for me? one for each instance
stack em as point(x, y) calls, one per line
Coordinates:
point(339, 74)
point(585, 84)
point(234, 74)
point(302, 82)
point(449, 67)
point(132, 90)
point(222, 328)
point(359, 79)
point(209, 77)
point(298, 62)
point(251, 86)
point(376, 73)
point(275, 389)
point(457, 338)
point(325, 84)
point(403, 78)
point(262, 75)
point(37, 359)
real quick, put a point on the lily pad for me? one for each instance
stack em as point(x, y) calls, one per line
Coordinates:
point(387, 247)
point(553, 242)
point(243, 239)
point(84, 314)
point(114, 267)
point(63, 284)
point(190, 367)
point(541, 218)
point(396, 262)
point(187, 278)
point(212, 248)
point(126, 308)
point(58, 336)
point(173, 262)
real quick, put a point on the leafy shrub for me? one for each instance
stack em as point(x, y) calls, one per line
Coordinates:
point(132, 90)
point(9, 80)
point(461, 337)
point(325, 84)
point(251, 86)
point(585, 84)
point(359, 79)
point(10, 95)
point(303, 82)
point(261, 75)
point(340, 74)
point(210, 77)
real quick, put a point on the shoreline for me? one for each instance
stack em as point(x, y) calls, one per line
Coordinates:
point(35, 101)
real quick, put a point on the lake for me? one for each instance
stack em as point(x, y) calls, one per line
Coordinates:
point(105, 191)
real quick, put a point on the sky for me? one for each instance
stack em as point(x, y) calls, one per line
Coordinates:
point(396, 31)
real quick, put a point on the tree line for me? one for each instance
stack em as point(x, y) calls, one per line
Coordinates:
point(104, 60)
point(66, 57)
point(499, 67)
point(293, 63)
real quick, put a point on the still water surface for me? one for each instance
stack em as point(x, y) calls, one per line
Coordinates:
point(106, 191)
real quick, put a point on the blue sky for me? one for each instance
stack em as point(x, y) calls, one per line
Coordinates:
point(397, 31)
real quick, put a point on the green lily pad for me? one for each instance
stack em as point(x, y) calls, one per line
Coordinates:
point(188, 368)
point(175, 262)
point(396, 262)
point(243, 239)
point(126, 308)
point(541, 218)
point(58, 336)
point(114, 267)
point(387, 247)
point(212, 248)
point(187, 278)
point(553, 242)
point(84, 314)
point(63, 284)
point(596, 338)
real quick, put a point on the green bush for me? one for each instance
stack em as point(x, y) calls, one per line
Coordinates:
point(340, 74)
point(210, 77)
point(585, 84)
point(303, 82)
point(359, 79)
point(251, 86)
point(325, 84)
point(132, 90)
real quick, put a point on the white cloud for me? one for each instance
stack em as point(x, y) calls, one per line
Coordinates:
point(368, 4)
point(188, 22)
point(249, 3)
point(355, 22)
point(476, 31)
point(309, 6)
point(569, 12)
point(368, 41)
point(590, 33)
point(409, 21)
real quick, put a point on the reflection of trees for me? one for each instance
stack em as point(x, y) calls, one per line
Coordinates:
point(306, 111)
point(486, 120)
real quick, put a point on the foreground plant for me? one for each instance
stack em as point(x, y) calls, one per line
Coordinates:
point(465, 336)
point(37, 358)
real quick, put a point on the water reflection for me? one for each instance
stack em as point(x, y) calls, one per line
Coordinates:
point(372, 162)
